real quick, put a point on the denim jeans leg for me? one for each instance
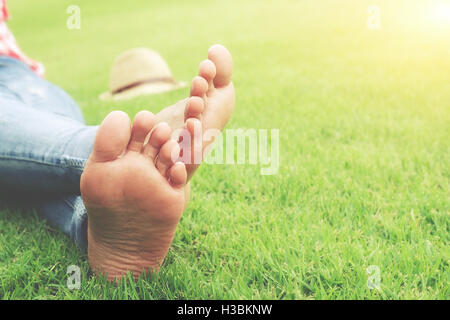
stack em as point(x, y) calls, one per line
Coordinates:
point(44, 145)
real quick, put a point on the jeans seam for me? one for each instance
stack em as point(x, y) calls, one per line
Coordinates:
point(17, 158)
point(72, 162)
point(78, 164)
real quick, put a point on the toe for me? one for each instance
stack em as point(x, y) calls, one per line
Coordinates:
point(194, 108)
point(178, 175)
point(199, 86)
point(167, 156)
point(112, 137)
point(191, 145)
point(142, 125)
point(194, 128)
point(207, 70)
point(159, 136)
point(223, 61)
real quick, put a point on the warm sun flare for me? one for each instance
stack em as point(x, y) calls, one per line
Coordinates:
point(440, 13)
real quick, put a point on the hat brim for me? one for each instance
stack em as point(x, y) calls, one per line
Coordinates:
point(142, 90)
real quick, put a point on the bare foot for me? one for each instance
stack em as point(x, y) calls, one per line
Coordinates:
point(134, 195)
point(133, 191)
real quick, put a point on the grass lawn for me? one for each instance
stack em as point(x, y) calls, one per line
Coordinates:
point(364, 119)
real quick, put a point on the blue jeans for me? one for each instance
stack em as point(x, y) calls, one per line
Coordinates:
point(44, 145)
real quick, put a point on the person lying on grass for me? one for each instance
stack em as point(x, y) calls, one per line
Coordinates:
point(115, 188)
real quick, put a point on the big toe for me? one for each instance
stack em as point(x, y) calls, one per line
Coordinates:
point(223, 61)
point(112, 137)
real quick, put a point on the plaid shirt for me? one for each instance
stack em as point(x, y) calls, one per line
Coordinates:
point(8, 45)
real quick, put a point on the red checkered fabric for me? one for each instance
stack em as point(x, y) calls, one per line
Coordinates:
point(8, 44)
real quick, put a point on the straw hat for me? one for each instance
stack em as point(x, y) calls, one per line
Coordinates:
point(138, 72)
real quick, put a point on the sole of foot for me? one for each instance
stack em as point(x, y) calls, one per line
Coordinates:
point(134, 195)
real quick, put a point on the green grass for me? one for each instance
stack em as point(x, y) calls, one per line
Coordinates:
point(364, 119)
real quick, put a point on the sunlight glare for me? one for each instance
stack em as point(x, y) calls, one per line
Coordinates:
point(441, 13)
